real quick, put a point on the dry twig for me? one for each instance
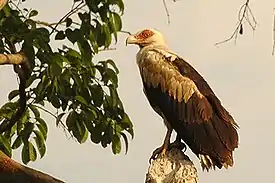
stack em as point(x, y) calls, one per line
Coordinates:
point(273, 47)
point(167, 11)
point(245, 15)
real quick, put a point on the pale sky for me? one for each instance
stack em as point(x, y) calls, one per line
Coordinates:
point(242, 76)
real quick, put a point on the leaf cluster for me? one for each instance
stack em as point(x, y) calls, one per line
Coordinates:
point(82, 91)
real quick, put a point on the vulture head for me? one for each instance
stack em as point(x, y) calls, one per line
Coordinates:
point(146, 37)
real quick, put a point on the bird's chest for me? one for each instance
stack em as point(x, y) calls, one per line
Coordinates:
point(147, 58)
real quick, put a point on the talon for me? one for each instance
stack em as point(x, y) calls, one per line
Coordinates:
point(178, 145)
point(162, 150)
point(159, 151)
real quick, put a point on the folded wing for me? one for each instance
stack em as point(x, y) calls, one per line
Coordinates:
point(181, 95)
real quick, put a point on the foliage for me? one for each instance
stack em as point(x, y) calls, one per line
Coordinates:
point(81, 90)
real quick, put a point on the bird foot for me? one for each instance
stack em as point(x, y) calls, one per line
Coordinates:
point(159, 151)
point(162, 150)
point(178, 145)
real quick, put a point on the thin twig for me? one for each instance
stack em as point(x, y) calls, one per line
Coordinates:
point(53, 115)
point(167, 11)
point(126, 32)
point(71, 12)
point(106, 49)
point(273, 47)
point(241, 18)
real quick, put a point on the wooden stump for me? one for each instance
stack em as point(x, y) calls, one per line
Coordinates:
point(175, 167)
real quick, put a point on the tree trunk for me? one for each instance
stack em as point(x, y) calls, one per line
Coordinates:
point(175, 167)
point(13, 172)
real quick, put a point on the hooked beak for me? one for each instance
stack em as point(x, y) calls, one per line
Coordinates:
point(131, 40)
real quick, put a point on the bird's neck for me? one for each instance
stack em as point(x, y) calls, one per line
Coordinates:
point(152, 46)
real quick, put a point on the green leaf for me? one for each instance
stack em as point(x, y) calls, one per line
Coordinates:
point(77, 79)
point(59, 117)
point(28, 128)
point(60, 35)
point(115, 24)
point(55, 101)
point(73, 36)
point(92, 5)
point(8, 110)
point(17, 143)
point(96, 135)
point(55, 68)
point(34, 110)
point(5, 145)
point(71, 120)
point(119, 3)
point(33, 13)
point(13, 94)
point(80, 131)
point(103, 12)
point(68, 22)
point(32, 152)
point(106, 139)
point(86, 52)
point(116, 144)
point(25, 154)
point(127, 124)
point(97, 94)
point(31, 79)
point(112, 76)
point(114, 97)
point(93, 41)
point(108, 38)
point(126, 142)
point(81, 100)
point(31, 23)
point(112, 63)
point(22, 122)
point(28, 153)
point(42, 126)
point(40, 143)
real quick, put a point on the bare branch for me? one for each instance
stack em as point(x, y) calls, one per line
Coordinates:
point(22, 69)
point(107, 49)
point(3, 3)
point(58, 122)
point(11, 171)
point(167, 11)
point(17, 59)
point(273, 47)
point(71, 12)
point(125, 32)
point(245, 14)
point(51, 25)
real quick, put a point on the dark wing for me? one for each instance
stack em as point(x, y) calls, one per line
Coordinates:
point(178, 93)
point(187, 70)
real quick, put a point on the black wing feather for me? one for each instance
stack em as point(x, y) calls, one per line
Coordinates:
point(215, 137)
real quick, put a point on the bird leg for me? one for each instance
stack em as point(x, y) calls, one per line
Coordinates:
point(162, 149)
point(177, 144)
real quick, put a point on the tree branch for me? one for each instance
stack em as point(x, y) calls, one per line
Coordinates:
point(22, 71)
point(166, 10)
point(11, 171)
point(244, 14)
point(175, 167)
point(3, 3)
point(273, 47)
point(17, 59)
point(71, 12)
